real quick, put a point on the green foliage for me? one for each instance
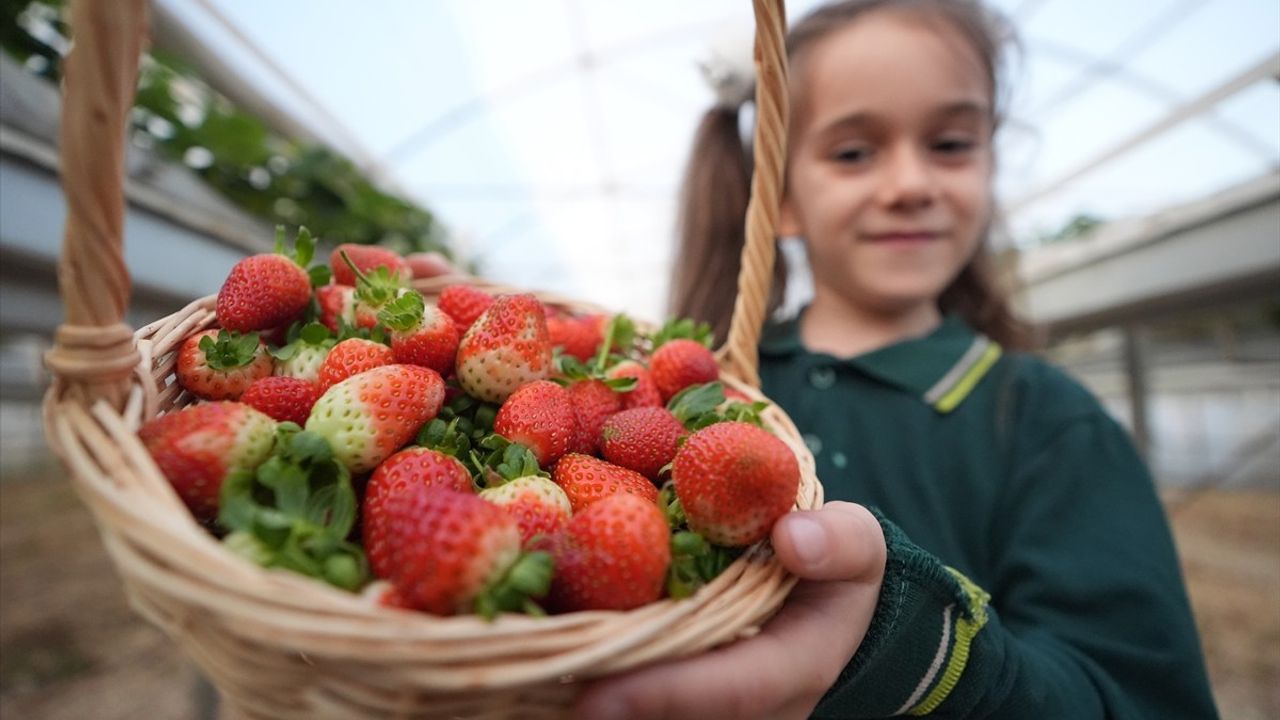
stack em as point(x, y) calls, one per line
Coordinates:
point(269, 176)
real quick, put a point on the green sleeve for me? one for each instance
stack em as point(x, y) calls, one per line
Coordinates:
point(1086, 616)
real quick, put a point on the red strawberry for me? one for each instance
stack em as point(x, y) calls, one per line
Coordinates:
point(337, 302)
point(644, 394)
point(611, 556)
point(352, 357)
point(593, 403)
point(412, 467)
point(219, 365)
point(505, 348)
point(429, 264)
point(198, 446)
point(420, 334)
point(449, 552)
point(285, 399)
point(369, 416)
point(641, 439)
point(586, 480)
point(367, 258)
point(677, 364)
point(579, 337)
point(734, 481)
point(539, 506)
point(463, 303)
point(539, 416)
point(268, 290)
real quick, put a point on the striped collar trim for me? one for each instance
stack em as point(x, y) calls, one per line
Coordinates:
point(951, 390)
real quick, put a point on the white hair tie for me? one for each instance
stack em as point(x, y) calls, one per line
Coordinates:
point(729, 68)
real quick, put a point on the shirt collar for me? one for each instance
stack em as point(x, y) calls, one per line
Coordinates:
point(941, 367)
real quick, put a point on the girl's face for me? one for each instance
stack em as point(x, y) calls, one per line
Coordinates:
point(890, 163)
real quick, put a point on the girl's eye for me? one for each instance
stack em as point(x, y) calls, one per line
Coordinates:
point(954, 146)
point(851, 154)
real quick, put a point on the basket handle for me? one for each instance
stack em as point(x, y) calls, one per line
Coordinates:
point(739, 355)
point(93, 355)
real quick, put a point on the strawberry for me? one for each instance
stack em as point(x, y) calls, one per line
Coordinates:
point(642, 439)
point(448, 552)
point(302, 356)
point(197, 447)
point(579, 337)
point(539, 416)
point(429, 264)
point(505, 348)
point(539, 506)
point(220, 365)
point(411, 467)
point(463, 303)
point(420, 334)
point(284, 399)
point(369, 416)
point(352, 357)
point(593, 403)
point(613, 555)
point(267, 290)
point(586, 480)
point(337, 306)
point(679, 363)
point(734, 480)
point(366, 258)
point(644, 394)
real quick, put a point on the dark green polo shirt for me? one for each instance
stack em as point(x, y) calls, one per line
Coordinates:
point(1031, 569)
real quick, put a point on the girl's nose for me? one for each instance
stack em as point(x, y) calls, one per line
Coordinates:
point(907, 180)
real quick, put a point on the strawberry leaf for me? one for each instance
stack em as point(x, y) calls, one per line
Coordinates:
point(528, 577)
point(695, 406)
point(678, 328)
point(320, 275)
point(230, 350)
point(404, 313)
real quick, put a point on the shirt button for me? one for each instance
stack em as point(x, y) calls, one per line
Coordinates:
point(813, 442)
point(839, 460)
point(822, 378)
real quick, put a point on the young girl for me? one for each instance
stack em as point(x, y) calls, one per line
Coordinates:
point(1016, 562)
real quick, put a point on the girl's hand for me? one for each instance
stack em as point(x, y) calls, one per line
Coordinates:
point(839, 554)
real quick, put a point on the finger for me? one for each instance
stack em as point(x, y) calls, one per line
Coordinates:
point(842, 541)
point(723, 683)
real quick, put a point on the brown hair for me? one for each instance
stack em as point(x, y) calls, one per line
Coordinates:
point(717, 181)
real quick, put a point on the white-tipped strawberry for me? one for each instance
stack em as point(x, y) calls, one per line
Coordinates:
point(506, 347)
point(369, 416)
point(538, 504)
point(302, 357)
point(420, 334)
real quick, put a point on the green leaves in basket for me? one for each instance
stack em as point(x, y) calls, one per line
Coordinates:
point(296, 511)
point(698, 406)
point(230, 350)
point(694, 561)
point(678, 328)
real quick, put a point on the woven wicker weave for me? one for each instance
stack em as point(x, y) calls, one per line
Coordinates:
point(279, 645)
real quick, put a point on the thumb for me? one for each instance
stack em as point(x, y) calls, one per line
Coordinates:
point(841, 541)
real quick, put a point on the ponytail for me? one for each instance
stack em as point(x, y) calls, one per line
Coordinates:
point(712, 226)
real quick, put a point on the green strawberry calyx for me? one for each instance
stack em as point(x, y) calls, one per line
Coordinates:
point(404, 313)
point(505, 461)
point(528, 577)
point(300, 336)
point(698, 406)
point(295, 511)
point(694, 561)
point(570, 369)
point(230, 350)
point(304, 251)
point(683, 328)
point(377, 287)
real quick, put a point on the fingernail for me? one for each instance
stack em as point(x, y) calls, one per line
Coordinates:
point(808, 538)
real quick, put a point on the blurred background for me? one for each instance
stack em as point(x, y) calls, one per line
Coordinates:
point(541, 144)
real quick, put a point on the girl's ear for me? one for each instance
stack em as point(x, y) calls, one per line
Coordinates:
point(788, 222)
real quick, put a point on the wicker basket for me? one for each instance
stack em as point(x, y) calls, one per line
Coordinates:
point(279, 645)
